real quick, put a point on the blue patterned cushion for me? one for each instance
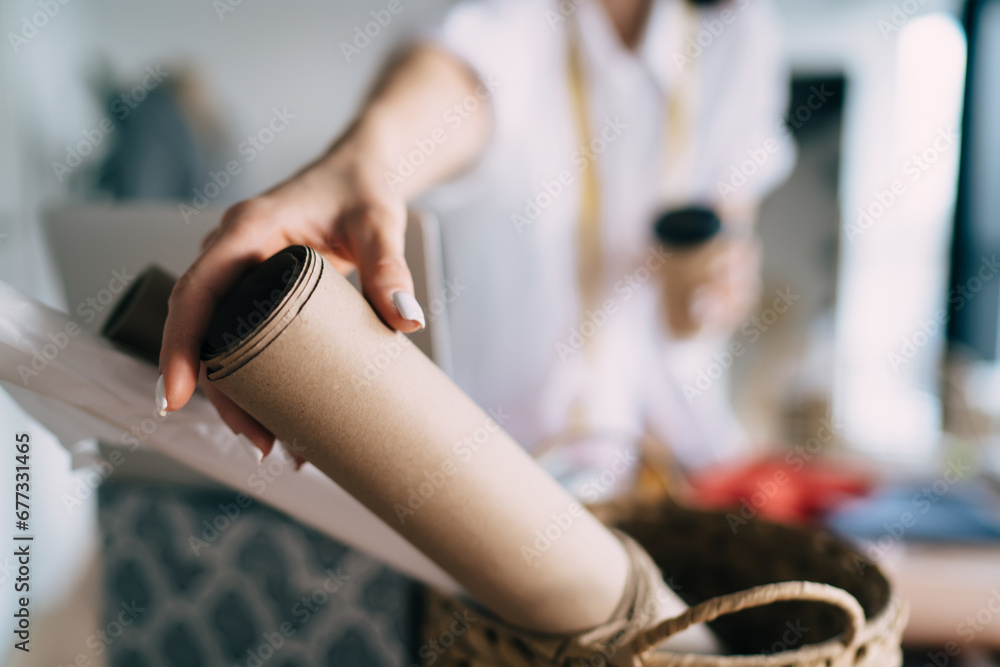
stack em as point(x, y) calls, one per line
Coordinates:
point(199, 578)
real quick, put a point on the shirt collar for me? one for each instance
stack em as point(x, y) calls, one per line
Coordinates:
point(663, 42)
point(658, 49)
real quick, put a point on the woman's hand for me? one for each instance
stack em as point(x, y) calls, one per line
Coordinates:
point(343, 207)
point(711, 289)
point(340, 206)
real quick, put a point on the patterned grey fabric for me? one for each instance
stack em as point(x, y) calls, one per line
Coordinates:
point(196, 580)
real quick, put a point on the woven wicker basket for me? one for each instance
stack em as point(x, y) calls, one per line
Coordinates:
point(775, 595)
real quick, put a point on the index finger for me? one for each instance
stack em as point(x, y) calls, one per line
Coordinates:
point(192, 303)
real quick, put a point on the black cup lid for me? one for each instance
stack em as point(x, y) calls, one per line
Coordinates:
point(687, 226)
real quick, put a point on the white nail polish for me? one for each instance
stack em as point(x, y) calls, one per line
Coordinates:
point(408, 308)
point(251, 449)
point(161, 396)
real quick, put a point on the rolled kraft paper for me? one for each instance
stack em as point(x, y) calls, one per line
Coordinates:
point(297, 347)
point(138, 318)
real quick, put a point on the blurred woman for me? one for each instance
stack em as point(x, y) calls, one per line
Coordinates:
point(547, 137)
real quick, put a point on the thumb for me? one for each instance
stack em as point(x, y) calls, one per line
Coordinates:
point(385, 278)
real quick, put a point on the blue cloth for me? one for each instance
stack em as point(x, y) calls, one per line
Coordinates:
point(935, 511)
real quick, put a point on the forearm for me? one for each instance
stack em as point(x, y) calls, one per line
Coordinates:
point(406, 113)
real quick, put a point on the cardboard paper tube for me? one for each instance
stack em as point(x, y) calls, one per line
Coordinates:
point(300, 349)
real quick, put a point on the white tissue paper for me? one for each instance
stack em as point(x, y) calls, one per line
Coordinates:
point(83, 390)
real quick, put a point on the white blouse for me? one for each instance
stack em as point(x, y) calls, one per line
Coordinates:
point(522, 343)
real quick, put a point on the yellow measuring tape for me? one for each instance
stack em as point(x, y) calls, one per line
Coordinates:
point(589, 264)
point(590, 261)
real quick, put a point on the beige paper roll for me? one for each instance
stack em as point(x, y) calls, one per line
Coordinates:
point(298, 348)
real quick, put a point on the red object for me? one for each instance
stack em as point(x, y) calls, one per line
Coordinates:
point(776, 490)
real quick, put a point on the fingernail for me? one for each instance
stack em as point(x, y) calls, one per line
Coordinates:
point(161, 396)
point(251, 449)
point(408, 308)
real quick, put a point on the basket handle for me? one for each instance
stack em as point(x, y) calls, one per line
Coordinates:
point(759, 596)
